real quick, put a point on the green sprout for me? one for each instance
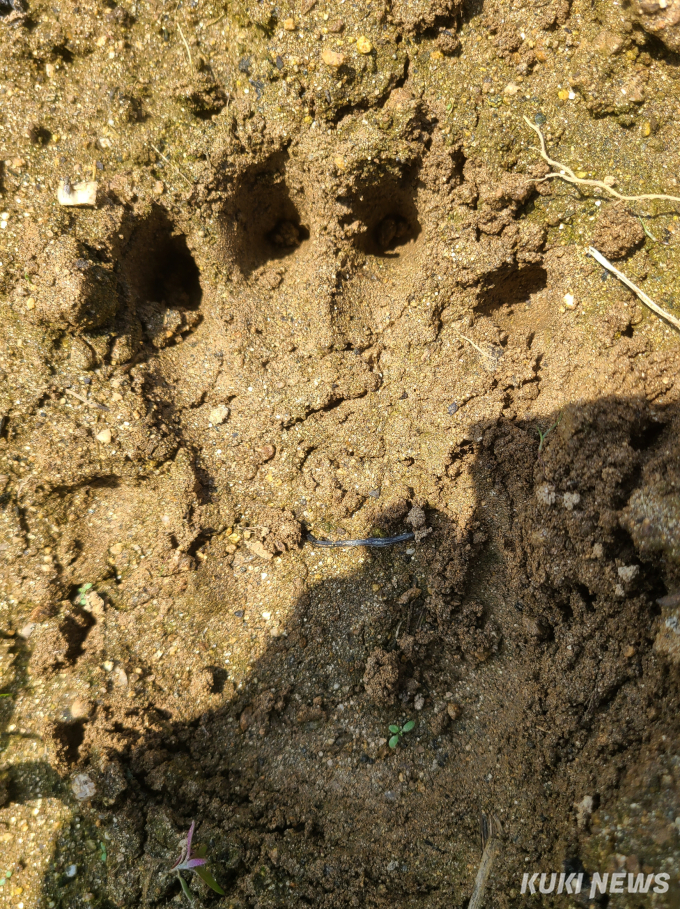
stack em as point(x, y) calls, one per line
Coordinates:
point(646, 230)
point(102, 853)
point(544, 435)
point(399, 731)
point(82, 591)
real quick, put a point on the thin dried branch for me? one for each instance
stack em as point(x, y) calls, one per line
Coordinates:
point(636, 290)
point(491, 829)
point(88, 401)
point(568, 175)
point(179, 28)
point(484, 353)
point(168, 161)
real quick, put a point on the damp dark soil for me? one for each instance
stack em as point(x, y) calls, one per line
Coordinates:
point(325, 289)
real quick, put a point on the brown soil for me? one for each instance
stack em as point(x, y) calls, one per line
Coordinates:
point(331, 294)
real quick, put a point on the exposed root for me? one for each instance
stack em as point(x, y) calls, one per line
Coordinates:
point(641, 294)
point(568, 175)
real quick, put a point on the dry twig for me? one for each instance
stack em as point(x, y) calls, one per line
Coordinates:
point(568, 175)
point(484, 353)
point(96, 404)
point(641, 294)
point(168, 161)
point(179, 28)
point(491, 828)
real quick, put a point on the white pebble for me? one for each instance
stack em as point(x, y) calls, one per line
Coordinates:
point(546, 494)
point(628, 572)
point(83, 787)
point(571, 499)
point(218, 414)
point(77, 194)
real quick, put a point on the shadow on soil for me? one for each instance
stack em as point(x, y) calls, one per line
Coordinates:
point(511, 635)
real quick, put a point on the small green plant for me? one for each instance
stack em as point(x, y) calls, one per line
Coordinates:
point(102, 852)
point(82, 591)
point(647, 230)
point(197, 863)
point(544, 435)
point(399, 731)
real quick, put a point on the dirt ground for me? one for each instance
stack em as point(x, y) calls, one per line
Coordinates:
point(324, 289)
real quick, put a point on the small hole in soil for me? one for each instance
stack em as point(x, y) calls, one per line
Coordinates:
point(262, 222)
point(64, 53)
point(587, 597)
point(510, 286)
point(390, 218)
point(68, 737)
point(159, 266)
point(39, 135)
point(645, 434)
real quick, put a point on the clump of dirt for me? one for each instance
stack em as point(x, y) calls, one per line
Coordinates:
point(617, 233)
point(327, 294)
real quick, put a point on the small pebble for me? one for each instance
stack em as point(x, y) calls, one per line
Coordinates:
point(104, 436)
point(569, 301)
point(364, 46)
point(289, 25)
point(452, 408)
point(80, 708)
point(107, 665)
point(571, 500)
point(83, 787)
point(331, 57)
point(546, 494)
point(120, 679)
point(453, 710)
point(628, 572)
point(219, 414)
point(77, 194)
